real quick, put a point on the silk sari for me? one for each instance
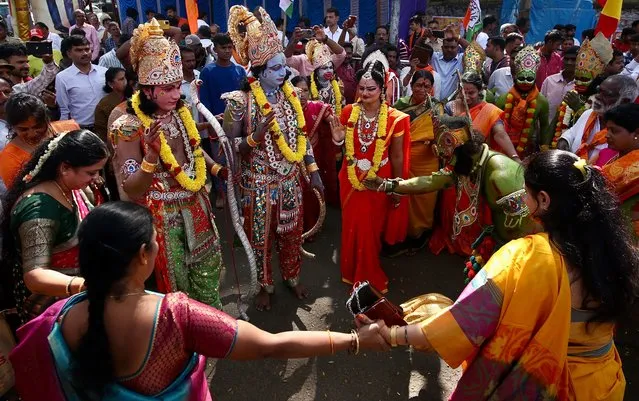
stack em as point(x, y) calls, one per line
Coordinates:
point(174, 369)
point(512, 348)
point(423, 162)
point(368, 217)
point(46, 234)
point(623, 174)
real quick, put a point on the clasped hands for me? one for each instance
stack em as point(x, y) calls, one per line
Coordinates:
point(373, 335)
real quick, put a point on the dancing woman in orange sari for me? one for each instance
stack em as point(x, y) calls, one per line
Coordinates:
point(622, 171)
point(377, 142)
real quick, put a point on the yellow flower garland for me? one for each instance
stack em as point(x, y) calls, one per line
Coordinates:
point(380, 144)
point(265, 108)
point(530, 113)
point(336, 91)
point(166, 155)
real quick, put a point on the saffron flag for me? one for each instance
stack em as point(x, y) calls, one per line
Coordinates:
point(287, 7)
point(472, 20)
point(609, 18)
point(192, 14)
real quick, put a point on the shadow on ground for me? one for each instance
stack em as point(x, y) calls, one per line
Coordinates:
point(395, 376)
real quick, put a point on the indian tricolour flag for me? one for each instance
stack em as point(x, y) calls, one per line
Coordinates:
point(287, 7)
point(472, 19)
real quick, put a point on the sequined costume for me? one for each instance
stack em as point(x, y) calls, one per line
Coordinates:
point(189, 258)
point(271, 182)
point(185, 333)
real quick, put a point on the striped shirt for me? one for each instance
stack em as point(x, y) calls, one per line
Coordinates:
point(109, 60)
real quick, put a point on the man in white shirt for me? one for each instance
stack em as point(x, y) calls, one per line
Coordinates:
point(490, 24)
point(281, 35)
point(56, 40)
point(557, 85)
point(79, 87)
point(581, 138)
point(332, 30)
point(501, 80)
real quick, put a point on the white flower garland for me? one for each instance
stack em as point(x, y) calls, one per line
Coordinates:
point(50, 148)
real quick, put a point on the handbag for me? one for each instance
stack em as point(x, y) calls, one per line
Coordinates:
point(366, 300)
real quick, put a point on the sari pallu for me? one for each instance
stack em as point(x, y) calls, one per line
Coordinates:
point(368, 217)
point(423, 162)
point(512, 348)
point(42, 345)
point(46, 232)
point(623, 175)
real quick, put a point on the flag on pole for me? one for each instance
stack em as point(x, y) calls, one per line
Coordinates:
point(287, 7)
point(192, 14)
point(609, 18)
point(472, 20)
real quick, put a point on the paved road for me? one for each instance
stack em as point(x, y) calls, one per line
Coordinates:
point(395, 376)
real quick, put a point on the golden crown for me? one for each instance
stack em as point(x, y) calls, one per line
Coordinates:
point(318, 53)
point(254, 41)
point(474, 58)
point(594, 55)
point(155, 58)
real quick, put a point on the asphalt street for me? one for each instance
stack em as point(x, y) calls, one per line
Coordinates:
point(398, 375)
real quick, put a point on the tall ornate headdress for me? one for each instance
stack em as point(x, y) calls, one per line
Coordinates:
point(527, 60)
point(258, 41)
point(155, 58)
point(474, 58)
point(318, 53)
point(592, 59)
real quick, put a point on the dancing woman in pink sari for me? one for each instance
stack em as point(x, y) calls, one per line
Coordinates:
point(76, 350)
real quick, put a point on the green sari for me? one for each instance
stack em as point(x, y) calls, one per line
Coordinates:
point(45, 232)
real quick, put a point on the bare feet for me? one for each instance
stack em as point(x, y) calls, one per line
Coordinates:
point(263, 300)
point(300, 291)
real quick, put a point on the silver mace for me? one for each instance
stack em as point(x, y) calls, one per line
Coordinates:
point(236, 218)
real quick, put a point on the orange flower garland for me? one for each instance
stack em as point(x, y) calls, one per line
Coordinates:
point(530, 114)
point(560, 127)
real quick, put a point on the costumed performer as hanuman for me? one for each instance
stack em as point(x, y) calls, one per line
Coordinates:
point(268, 129)
point(489, 209)
point(159, 163)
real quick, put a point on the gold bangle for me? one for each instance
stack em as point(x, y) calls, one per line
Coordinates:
point(330, 339)
point(393, 336)
point(148, 167)
point(311, 168)
point(69, 286)
point(250, 141)
point(215, 169)
point(356, 342)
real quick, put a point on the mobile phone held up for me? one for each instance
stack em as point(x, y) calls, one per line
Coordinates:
point(39, 49)
point(307, 33)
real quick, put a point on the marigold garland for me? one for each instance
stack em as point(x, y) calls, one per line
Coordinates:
point(380, 144)
point(530, 113)
point(336, 92)
point(276, 131)
point(166, 155)
point(560, 126)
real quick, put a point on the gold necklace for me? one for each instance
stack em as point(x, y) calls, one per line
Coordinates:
point(64, 194)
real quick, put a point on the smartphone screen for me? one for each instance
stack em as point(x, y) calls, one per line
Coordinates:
point(438, 34)
point(38, 49)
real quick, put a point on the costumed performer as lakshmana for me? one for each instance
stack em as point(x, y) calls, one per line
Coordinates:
point(525, 109)
point(377, 143)
point(159, 163)
point(318, 115)
point(489, 207)
point(592, 59)
point(268, 128)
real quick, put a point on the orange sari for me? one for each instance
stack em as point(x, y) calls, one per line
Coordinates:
point(623, 174)
point(369, 217)
point(13, 157)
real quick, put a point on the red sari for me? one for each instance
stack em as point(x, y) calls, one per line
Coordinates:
point(316, 114)
point(369, 217)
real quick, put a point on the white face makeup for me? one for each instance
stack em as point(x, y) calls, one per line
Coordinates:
point(275, 73)
point(325, 73)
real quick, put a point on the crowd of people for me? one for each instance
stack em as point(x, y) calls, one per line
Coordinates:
point(116, 149)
